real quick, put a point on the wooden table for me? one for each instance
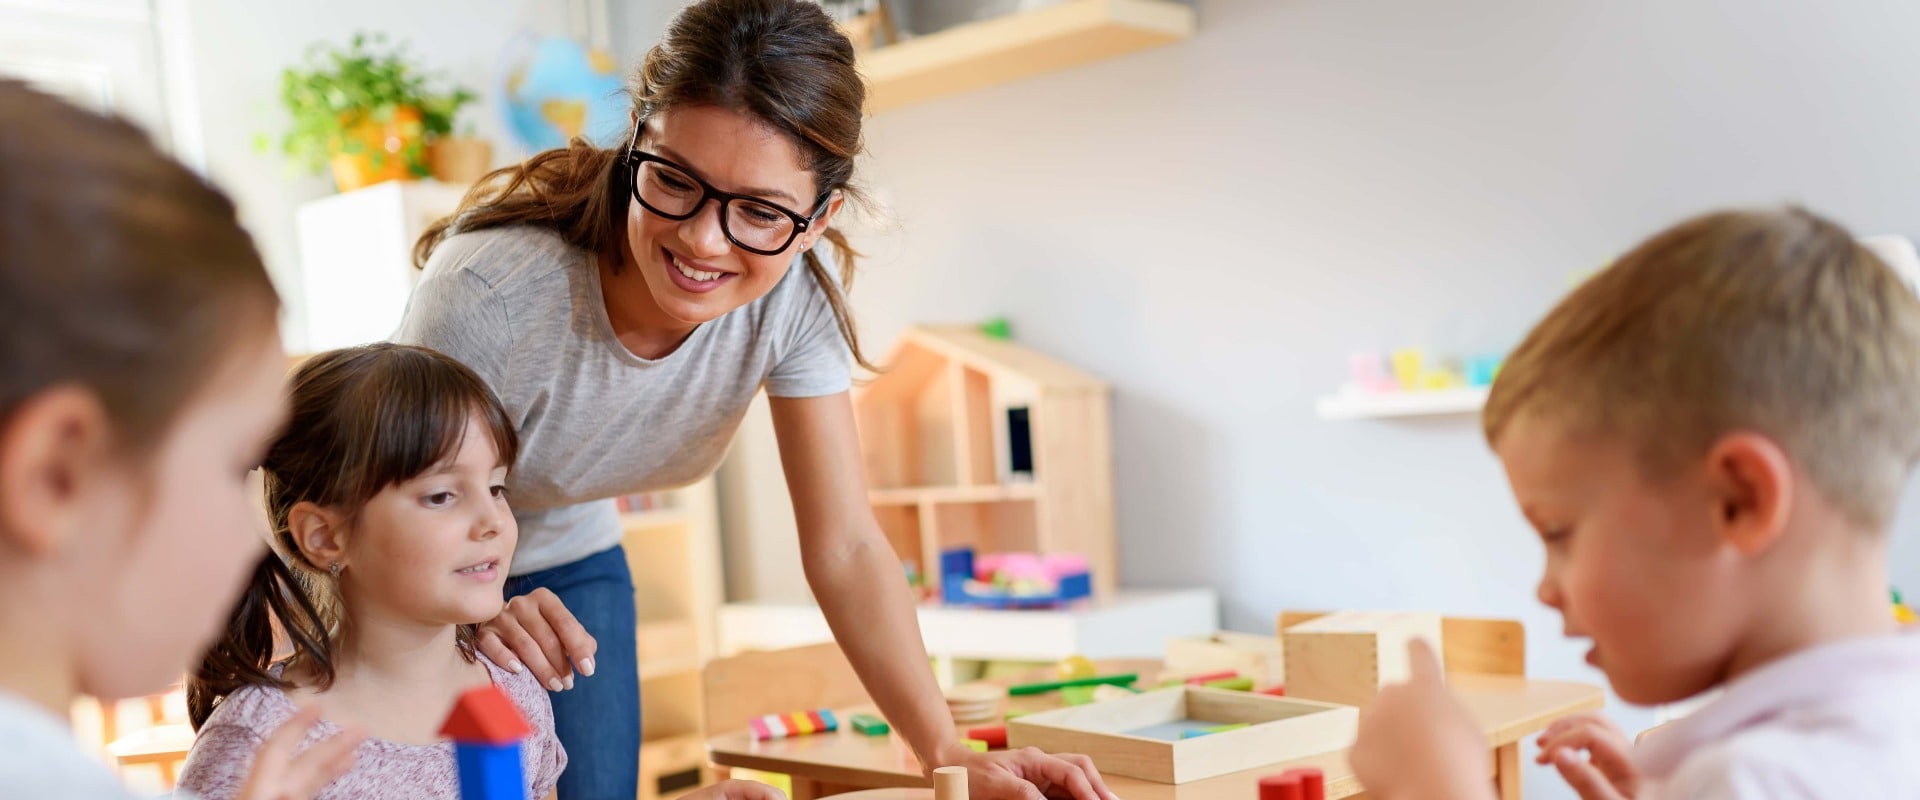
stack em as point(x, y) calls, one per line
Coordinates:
point(1507, 708)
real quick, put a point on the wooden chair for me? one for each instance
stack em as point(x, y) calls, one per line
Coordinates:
point(1484, 646)
point(160, 744)
point(736, 690)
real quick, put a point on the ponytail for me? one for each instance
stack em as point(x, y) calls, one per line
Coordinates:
point(245, 652)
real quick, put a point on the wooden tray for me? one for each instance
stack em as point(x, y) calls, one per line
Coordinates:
point(1138, 736)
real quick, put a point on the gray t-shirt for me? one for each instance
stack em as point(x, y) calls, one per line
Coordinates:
point(523, 308)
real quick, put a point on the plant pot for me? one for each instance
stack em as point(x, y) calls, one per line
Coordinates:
point(370, 151)
point(459, 159)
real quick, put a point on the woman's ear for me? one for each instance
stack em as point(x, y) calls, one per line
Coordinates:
point(818, 230)
point(53, 450)
point(320, 533)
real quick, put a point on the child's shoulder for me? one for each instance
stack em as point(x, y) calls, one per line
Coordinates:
point(41, 760)
point(525, 691)
point(259, 709)
point(1844, 718)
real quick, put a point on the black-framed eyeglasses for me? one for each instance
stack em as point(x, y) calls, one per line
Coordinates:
point(751, 223)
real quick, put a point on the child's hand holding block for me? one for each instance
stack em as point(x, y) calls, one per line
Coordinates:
point(1347, 656)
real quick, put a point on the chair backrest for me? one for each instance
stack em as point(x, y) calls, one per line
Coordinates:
point(1484, 646)
point(738, 689)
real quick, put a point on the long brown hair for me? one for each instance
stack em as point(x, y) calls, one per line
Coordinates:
point(783, 62)
point(362, 419)
point(120, 270)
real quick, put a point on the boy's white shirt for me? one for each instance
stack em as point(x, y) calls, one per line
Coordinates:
point(1839, 720)
point(40, 758)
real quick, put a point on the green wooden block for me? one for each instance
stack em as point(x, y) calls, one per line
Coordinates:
point(1042, 688)
point(1077, 695)
point(1236, 684)
point(869, 725)
point(977, 745)
point(1196, 732)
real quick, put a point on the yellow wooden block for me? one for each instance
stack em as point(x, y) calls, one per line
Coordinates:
point(1346, 657)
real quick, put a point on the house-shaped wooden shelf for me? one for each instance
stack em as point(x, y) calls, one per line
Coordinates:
point(973, 441)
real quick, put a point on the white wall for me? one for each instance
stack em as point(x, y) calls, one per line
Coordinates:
point(1215, 225)
point(239, 47)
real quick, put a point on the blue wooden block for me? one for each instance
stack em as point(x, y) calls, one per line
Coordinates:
point(490, 771)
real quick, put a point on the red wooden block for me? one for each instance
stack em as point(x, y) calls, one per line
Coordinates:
point(1313, 783)
point(485, 715)
point(1276, 691)
point(1285, 786)
point(1199, 680)
point(994, 735)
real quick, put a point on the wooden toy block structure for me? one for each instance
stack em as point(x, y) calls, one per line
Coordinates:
point(1347, 656)
point(974, 441)
point(487, 730)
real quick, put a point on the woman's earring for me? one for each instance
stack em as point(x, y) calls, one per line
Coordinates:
point(334, 570)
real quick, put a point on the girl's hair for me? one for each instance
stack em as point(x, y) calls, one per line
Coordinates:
point(363, 419)
point(783, 62)
point(120, 270)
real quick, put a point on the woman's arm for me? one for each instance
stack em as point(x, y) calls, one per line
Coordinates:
point(858, 580)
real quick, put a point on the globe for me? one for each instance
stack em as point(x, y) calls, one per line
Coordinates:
point(556, 89)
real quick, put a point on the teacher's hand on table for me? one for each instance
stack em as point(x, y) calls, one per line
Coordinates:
point(1028, 774)
point(1418, 741)
point(536, 630)
point(736, 790)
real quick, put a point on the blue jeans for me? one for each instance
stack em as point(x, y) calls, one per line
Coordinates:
point(598, 720)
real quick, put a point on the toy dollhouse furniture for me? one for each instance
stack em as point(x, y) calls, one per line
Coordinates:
point(974, 441)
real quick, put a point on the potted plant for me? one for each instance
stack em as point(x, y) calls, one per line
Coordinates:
point(365, 112)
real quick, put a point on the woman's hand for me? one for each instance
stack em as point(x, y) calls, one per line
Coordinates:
point(279, 773)
point(1607, 772)
point(1028, 774)
point(1418, 741)
point(536, 630)
point(736, 790)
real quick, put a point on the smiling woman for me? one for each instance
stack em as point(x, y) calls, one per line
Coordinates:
point(627, 304)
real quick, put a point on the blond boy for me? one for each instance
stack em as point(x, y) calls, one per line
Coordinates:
point(1711, 438)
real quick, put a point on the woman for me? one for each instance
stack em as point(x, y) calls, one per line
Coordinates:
point(627, 305)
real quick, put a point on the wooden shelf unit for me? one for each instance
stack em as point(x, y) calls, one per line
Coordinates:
point(1017, 46)
point(674, 552)
point(979, 442)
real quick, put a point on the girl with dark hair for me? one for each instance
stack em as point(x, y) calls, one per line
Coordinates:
point(627, 304)
point(391, 539)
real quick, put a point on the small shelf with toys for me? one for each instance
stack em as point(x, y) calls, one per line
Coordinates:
point(1368, 405)
point(1407, 384)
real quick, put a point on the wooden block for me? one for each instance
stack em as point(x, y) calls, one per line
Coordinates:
point(950, 783)
point(1138, 736)
point(801, 723)
point(869, 725)
point(1346, 657)
point(994, 735)
point(1258, 657)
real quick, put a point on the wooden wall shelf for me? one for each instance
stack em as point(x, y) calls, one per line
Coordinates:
point(1017, 46)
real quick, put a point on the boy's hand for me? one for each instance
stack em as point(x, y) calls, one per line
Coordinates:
point(281, 774)
point(1417, 741)
point(537, 630)
point(1607, 771)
